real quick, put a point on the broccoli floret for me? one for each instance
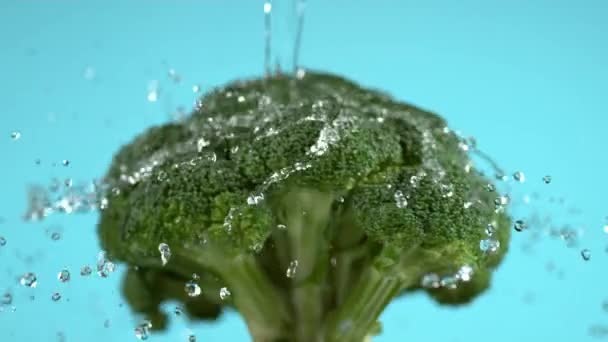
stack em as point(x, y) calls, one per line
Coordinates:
point(313, 200)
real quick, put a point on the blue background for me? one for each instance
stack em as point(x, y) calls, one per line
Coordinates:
point(528, 79)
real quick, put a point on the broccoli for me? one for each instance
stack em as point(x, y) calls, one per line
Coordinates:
point(313, 201)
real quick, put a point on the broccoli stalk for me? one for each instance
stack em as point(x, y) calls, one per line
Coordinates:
point(314, 201)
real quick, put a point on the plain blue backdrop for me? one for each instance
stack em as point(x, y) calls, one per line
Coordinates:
point(528, 79)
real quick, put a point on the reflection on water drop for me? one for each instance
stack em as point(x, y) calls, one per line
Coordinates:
point(224, 293)
point(292, 269)
point(165, 253)
point(192, 338)
point(547, 179)
point(192, 289)
point(400, 199)
point(430, 281)
point(489, 245)
point(56, 296)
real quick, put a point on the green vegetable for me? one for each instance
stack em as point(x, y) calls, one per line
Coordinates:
point(313, 201)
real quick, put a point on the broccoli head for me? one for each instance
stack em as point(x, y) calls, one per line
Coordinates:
point(312, 201)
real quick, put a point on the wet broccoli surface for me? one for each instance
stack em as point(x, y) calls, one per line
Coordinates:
point(312, 200)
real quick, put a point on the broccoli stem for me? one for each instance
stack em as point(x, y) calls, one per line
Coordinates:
point(307, 219)
point(256, 299)
point(260, 304)
point(356, 316)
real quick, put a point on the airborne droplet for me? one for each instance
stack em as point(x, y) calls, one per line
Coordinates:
point(86, 271)
point(28, 280)
point(519, 176)
point(64, 276)
point(547, 179)
point(520, 225)
point(586, 254)
point(142, 331)
point(56, 296)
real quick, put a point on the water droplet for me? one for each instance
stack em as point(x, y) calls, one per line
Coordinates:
point(467, 205)
point(2, 241)
point(519, 176)
point(490, 187)
point(196, 88)
point(489, 245)
point(430, 281)
point(178, 311)
point(292, 269)
point(64, 276)
point(191, 338)
point(490, 229)
point(520, 225)
point(68, 183)
point(202, 143)
point(153, 91)
point(606, 229)
point(255, 199)
point(400, 199)
point(224, 293)
point(192, 289)
point(106, 323)
point(142, 331)
point(6, 299)
point(86, 271)
point(174, 76)
point(104, 266)
point(165, 253)
point(15, 135)
point(605, 305)
point(281, 226)
point(56, 296)
point(267, 7)
point(447, 190)
point(465, 273)
point(449, 282)
point(586, 254)
point(547, 179)
point(241, 99)
point(29, 280)
point(89, 73)
point(598, 331)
